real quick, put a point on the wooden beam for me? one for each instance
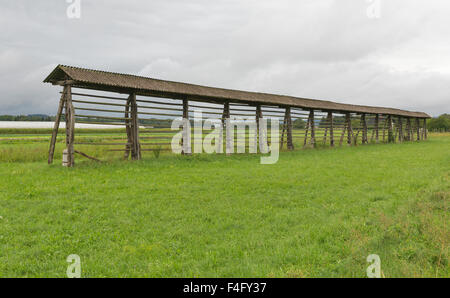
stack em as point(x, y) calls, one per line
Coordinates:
point(136, 147)
point(349, 129)
point(425, 129)
point(186, 132)
point(400, 129)
point(85, 155)
point(331, 125)
point(418, 129)
point(365, 139)
point(63, 83)
point(290, 144)
point(313, 129)
point(70, 126)
point(128, 129)
point(284, 129)
point(377, 128)
point(391, 138)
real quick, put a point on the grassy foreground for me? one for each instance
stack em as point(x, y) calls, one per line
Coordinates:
point(316, 213)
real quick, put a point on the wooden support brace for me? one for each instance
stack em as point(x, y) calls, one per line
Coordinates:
point(51, 151)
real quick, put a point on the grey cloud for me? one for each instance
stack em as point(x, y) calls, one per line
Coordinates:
point(324, 49)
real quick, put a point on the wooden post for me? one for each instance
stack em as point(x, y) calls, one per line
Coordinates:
point(377, 127)
point(400, 129)
point(391, 138)
point(136, 146)
point(128, 124)
point(418, 129)
point(408, 128)
point(70, 127)
point(425, 128)
point(51, 151)
point(343, 132)
point(330, 121)
point(312, 141)
point(186, 131)
point(384, 129)
point(225, 116)
point(290, 144)
point(364, 123)
point(284, 129)
point(349, 129)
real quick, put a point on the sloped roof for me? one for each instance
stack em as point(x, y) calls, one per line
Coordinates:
point(126, 83)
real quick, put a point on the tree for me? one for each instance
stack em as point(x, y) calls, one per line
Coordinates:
point(299, 123)
point(441, 122)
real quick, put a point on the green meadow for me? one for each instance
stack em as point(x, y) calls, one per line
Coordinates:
point(315, 213)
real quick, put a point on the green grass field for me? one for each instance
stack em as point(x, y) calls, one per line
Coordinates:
point(316, 213)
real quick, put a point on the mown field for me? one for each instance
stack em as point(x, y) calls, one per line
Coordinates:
point(316, 213)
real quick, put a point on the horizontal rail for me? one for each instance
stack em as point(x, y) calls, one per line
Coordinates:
point(101, 103)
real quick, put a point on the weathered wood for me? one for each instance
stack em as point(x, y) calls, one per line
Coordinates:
point(229, 142)
point(70, 127)
point(344, 129)
point(99, 103)
point(312, 141)
point(136, 147)
point(349, 129)
point(63, 83)
point(128, 129)
point(365, 139)
point(400, 129)
point(51, 151)
point(186, 132)
point(85, 155)
point(290, 143)
point(308, 122)
point(331, 125)
point(425, 129)
point(384, 129)
point(283, 130)
point(377, 128)
point(409, 129)
point(418, 129)
point(391, 138)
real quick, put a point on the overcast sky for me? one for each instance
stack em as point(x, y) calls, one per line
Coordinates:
point(325, 49)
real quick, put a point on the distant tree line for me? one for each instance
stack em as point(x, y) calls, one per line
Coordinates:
point(34, 117)
point(441, 123)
